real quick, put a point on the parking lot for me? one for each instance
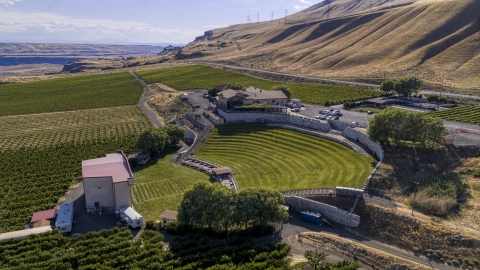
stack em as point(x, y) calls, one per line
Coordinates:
point(346, 116)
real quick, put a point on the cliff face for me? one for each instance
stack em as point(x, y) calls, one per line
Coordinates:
point(436, 40)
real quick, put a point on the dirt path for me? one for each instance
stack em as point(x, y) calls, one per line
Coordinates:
point(143, 102)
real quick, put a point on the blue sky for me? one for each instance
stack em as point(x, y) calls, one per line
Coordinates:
point(130, 21)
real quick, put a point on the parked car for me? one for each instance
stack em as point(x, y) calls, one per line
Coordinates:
point(369, 112)
point(205, 95)
point(196, 106)
point(295, 109)
point(335, 117)
point(318, 117)
point(323, 117)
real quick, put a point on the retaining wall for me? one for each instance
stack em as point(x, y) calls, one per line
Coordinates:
point(196, 122)
point(330, 212)
point(249, 117)
point(189, 134)
point(357, 135)
point(345, 191)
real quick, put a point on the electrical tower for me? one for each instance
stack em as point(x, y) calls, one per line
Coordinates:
point(258, 17)
point(328, 11)
point(286, 13)
point(272, 17)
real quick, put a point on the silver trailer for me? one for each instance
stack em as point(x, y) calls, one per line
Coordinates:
point(64, 220)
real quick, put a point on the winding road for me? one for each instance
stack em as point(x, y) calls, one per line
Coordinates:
point(143, 102)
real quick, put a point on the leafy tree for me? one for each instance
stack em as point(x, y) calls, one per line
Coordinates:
point(407, 86)
point(401, 125)
point(175, 133)
point(234, 86)
point(315, 258)
point(387, 86)
point(213, 92)
point(152, 140)
point(285, 90)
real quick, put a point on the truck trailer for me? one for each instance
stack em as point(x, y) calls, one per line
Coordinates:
point(64, 220)
point(131, 217)
point(311, 216)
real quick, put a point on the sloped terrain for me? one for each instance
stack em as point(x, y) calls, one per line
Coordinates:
point(437, 41)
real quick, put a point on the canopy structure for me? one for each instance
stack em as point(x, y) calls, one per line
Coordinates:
point(222, 170)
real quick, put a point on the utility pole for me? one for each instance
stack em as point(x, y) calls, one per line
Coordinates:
point(286, 12)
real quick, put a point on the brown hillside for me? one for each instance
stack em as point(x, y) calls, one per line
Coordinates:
point(437, 40)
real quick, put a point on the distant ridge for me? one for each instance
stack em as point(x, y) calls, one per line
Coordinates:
point(436, 40)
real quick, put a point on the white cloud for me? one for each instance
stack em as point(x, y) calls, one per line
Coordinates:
point(304, 1)
point(47, 25)
point(8, 2)
point(298, 7)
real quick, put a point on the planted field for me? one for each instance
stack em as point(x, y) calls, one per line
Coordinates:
point(72, 93)
point(195, 77)
point(283, 159)
point(160, 184)
point(53, 128)
point(465, 114)
point(33, 179)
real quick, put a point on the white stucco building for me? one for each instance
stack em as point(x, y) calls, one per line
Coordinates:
point(107, 183)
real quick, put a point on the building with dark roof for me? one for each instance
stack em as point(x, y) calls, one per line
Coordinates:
point(251, 95)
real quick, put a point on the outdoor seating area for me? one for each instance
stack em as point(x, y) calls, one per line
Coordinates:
point(223, 175)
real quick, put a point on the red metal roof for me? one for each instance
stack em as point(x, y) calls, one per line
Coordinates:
point(113, 165)
point(47, 214)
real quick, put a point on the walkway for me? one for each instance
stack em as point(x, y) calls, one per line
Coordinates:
point(143, 103)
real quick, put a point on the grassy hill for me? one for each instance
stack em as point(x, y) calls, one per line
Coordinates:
point(435, 40)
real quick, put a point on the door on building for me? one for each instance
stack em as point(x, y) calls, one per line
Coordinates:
point(97, 204)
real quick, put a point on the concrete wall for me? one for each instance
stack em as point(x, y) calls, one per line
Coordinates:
point(330, 212)
point(196, 122)
point(358, 135)
point(248, 117)
point(98, 190)
point(345, 191)
point(189, 135)
point(123, 195)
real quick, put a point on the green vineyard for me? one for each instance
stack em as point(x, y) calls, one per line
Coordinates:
point(53, 128)
point(33, 179)
point(204, 77)
point(71, 93)
point(465, 114)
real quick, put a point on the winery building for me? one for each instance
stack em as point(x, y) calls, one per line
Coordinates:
point(107, 183)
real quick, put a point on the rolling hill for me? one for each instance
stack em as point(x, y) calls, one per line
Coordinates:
point(436, 40)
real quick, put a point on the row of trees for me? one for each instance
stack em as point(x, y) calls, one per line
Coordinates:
point(401, 125)
point(404, 87)
point(217, 208)
point(154, 140)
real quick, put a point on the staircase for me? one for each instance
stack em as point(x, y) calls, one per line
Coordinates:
point(198, 142)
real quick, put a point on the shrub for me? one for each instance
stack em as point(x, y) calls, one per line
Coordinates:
point(327, 103)
point(476, 174)
point(416, 249)
point(174, 228)
point(150, 225)
point(455, 262)
point(449, 262)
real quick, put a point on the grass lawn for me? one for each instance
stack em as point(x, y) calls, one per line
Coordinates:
point(283, 159)
point(71, 93)
point(205, 77)
point(160, 184)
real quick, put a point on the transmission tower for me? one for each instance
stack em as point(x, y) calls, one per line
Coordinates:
point(328, 11)
point(286, 13)
point(258, 17)
point(272, 17)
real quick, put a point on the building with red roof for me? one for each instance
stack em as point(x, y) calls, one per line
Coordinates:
point(107, 183)
point(47, 214)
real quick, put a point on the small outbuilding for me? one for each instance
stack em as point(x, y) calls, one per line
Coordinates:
point(221, 171)
point(168, 216)
point(381, 102)
point(43, 215)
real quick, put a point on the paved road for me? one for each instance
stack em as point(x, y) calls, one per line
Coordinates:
point(294, 225)
point(335, 81)
point(143, 103)
point(448, 94)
